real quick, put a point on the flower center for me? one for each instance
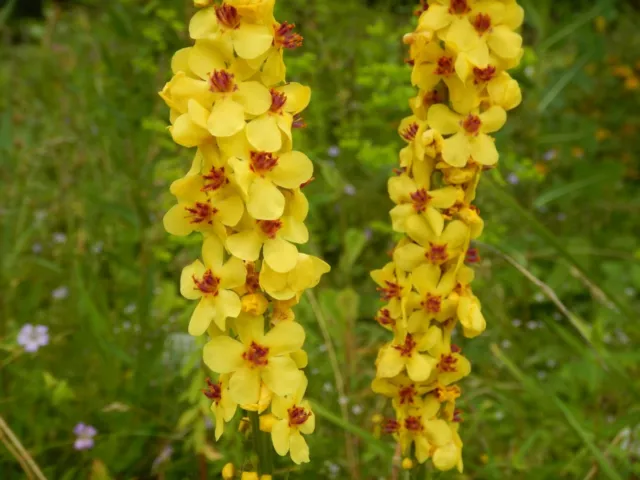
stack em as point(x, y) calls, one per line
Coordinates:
point(445, 66)
point(384, 318)
point(432, 303)
point(214, 179)
point(409, 133)
point(278, 99)
point(406, 349)
point(420, 200)
point(472, 256)
point(437, 253)
point(252, 283)
point(482, 23)
point(263, 162)
point(423, 7)
point(431, 98)
point(390, 426)
point(472, 124)
point(457, 415)
point(413, 424)
point(285, 37)
point(228, 16)
point(221, 81)
point(298, 416)
point(201, 212)
point(270, 227)
point(256, 355)
point(407, 394)
point(483, 75)
point(459, 7)
point(209, 283)
point(448, 363)
point(213, 391)
point(392, 290)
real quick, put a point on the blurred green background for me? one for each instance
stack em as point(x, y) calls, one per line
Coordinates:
point(85, 165)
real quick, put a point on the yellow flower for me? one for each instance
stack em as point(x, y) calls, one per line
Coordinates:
point(433, 288)
point(394, 285)
point(449, 455)
point(228, 471)
point(260, 176)
point(274, 238)
point(223, 407)
point(211, 283)
point(469, 139)
point(295, 418)
point(433, 65)
point(254, 303)
point(257, 357)
point(224, 23)
point(407, 353)
point(285, 286)
point(265, 131)
point(404, 392)
point(431, 248)
point(259, 11)
point(413, 200)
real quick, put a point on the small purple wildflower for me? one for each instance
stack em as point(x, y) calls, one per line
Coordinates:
point(163, 457)
point(513, 179)
point(85, 434)
point(333, 151)
point(59, 238)
point(60, 293)
point(368, 233)
point(32, 338)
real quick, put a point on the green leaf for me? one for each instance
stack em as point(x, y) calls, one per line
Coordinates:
point(354, 242)
point(562, 83)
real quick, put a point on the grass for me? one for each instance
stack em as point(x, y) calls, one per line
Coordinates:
point(86, 163)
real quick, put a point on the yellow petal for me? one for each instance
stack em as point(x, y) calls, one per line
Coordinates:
point(461, 35)
point(250, 328)
point(505, 42)
point(244, 385)
point(280, 434)
point(457, 149)
point(280, 255)
point(245, 245)
point(493, 119)
point(293, 169)
point(389, 363)
point(226, 119)
point(186, 133)
point(187, 286)
point(409, 256)
point(442, 119)
point(274, 69)
point(230, 210)
point(228, 305)
point(294, 230)
point(265, 201)
point(284, 338)
point(203, 24)
point(254, 97)
point(484, 150)
point(180, 61)
point(298, 97)
point(400, 188)
point(263, 134)
point(281, 375)
point(223, 354)
point(233, 274)
point(204, 58)
point(425, 278)
point(251, 41)
point(418, 229)
point(419, 367)
point(435, 18)
point(446, 457)
point(201, 317)
point(299, 448)
point(176, 221)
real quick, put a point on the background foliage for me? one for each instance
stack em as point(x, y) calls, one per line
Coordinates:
point(85, 164)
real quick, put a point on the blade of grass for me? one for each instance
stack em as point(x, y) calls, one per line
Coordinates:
point(533, 387)
point(564, 80)
point(573, 187)
point(379, 446)
point(508, 201)
point(23, 456)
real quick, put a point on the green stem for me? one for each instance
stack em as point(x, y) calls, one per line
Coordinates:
point(261, 445)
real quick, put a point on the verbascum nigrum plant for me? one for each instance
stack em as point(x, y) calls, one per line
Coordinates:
point(459, 53)
point(230, 100)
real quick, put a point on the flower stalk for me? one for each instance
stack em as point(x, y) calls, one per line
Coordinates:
point(459, 53)
point(230, 100)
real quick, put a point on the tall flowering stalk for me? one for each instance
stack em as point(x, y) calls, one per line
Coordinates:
point(229, 99)
point(459, 53)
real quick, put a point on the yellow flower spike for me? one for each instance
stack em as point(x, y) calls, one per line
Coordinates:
point(228, 471)
point(257, 357)
point(211, 283)
point(294, 419)
point(460, 54)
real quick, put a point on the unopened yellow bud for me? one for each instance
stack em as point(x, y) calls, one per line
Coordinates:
point(407, 463)
point(228, 471)
point(266, 477)
point(249, 476)
point(254, 304)
point(267, 421)
point(244, 425)
point(376, 419)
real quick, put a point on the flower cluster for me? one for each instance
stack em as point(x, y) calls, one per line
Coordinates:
point(459, 54)
point(229, 98)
